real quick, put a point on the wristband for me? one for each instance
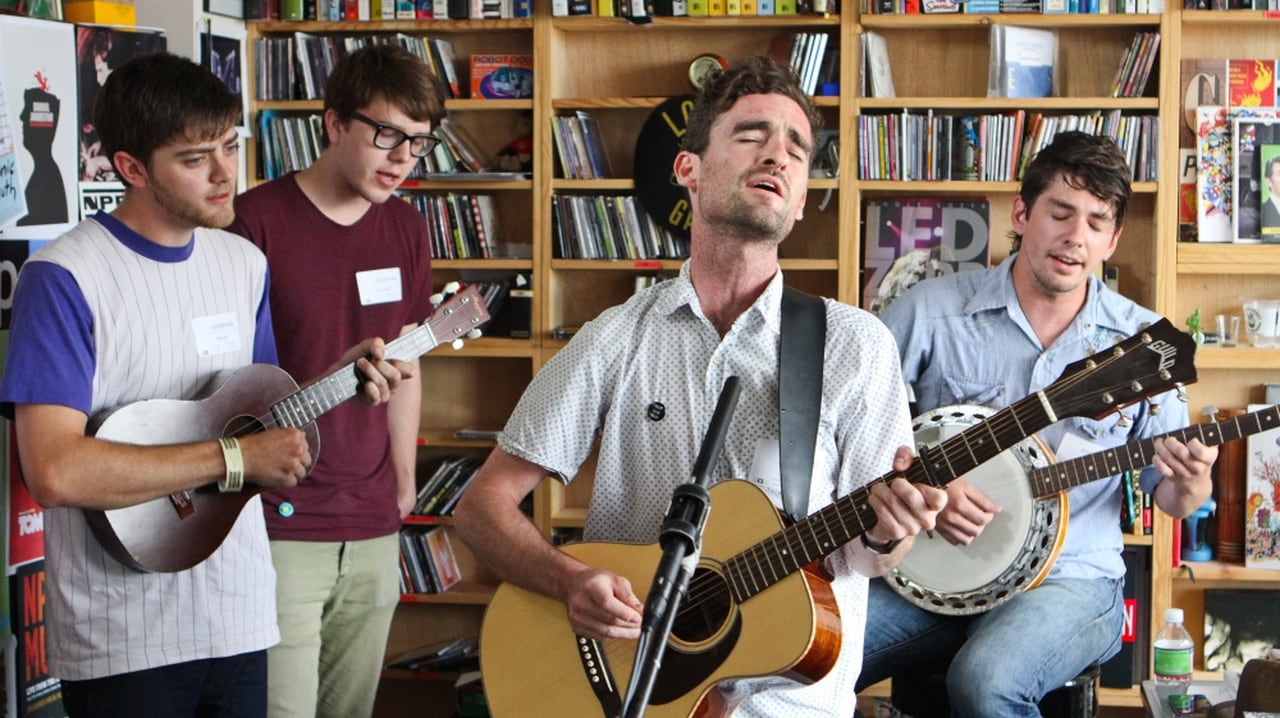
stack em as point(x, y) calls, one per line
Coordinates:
point(234, 459)
point(880, 549)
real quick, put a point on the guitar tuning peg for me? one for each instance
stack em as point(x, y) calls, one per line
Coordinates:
point(456, 344)
point(1182, 394)
point(452, 288)
point(473, 334)
point(437, 299)
point(1124, 421)
point(1155, 409)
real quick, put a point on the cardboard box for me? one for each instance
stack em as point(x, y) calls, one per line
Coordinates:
point(105, 12)
point(505, 77)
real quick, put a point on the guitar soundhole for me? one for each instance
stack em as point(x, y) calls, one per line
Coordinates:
point(243, 425)
point(705, 609)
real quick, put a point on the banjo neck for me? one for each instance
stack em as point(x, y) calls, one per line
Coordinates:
point(1135, 455)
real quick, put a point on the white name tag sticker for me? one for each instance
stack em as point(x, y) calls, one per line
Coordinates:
point(765, 466)
point(216, 334)
point(1074, 445)
point(379, 286)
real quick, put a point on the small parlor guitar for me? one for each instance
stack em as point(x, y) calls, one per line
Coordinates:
point(754, 606)
point(176, 532)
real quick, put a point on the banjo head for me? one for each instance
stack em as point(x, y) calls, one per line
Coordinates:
point(1011, 554)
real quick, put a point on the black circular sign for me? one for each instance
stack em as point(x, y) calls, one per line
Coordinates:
point(656, 149)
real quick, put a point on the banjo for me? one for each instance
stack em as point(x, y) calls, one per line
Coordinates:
point(1016, 550)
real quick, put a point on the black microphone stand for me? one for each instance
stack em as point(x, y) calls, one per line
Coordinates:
point(681, 541)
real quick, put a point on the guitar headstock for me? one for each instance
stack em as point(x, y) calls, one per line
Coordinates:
point(1153, 361)
point(458, 316)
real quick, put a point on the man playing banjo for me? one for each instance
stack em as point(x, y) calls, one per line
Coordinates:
point(990, 338)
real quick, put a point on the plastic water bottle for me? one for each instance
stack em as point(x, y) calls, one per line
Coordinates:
point(1173, 653)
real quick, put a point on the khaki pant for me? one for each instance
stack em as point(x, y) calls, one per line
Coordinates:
point(335, 601)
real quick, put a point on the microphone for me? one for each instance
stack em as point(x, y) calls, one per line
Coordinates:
point(681, 536)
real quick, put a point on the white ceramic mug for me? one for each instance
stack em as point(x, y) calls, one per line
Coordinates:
point(1262, 322)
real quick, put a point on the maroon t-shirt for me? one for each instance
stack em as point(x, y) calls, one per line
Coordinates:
point(317, 310)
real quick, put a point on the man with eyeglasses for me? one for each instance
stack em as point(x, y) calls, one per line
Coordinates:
point(345, 262)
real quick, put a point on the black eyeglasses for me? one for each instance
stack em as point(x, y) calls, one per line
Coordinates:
point(386, 137)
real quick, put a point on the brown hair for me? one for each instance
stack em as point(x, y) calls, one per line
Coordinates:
point(757, 75)
point(1088, 162)
point(389, 72)
point(154, 99)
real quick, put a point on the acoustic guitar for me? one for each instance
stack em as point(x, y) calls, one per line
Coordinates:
point(176, 532)
point(755, 606)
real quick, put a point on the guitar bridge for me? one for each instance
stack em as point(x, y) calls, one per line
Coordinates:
point(596, 669)
point(183, 504)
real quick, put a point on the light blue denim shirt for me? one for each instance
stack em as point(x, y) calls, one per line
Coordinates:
point(965, 340)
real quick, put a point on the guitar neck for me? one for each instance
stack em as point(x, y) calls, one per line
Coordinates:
point(1135, 455)
point(309, 403)
point(785, 552)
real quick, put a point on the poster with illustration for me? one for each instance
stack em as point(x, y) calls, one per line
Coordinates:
point(1262, 499)
point(99, 50)
point(37, 59)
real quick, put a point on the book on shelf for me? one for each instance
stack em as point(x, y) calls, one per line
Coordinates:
point(1023, 61)
point(477, 434)
point(908, 239)
point(445, 62)
point(502, 76)
point(1204, 82)
point(1254, 142)
point(1268, 157)
point(1213, 174)
point(1214, 168)
point(1262, 499)
point(1135, 65)
point(806, 57)
point(580, 147)
point(1251, 82)
point(879, 78)
point(593, 139)
point(413, 572)
point(609, 227)
point(463, 145)
point(440, 492)
point(443, 563)
point(448, 655)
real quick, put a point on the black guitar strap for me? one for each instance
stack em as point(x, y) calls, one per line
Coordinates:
point(804, 331)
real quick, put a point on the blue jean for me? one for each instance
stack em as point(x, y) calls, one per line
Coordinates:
point(1002, 661)
point(232, 687)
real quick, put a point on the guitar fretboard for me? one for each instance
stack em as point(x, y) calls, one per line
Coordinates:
point(308, 404)
point(1049, 480)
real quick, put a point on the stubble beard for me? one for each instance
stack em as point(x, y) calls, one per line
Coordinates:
point(755, 224)
point(195, 212)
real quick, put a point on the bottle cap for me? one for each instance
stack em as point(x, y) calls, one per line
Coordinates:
point(1173, 615)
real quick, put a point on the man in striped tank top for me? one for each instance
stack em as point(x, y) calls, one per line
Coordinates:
point(148, 302)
